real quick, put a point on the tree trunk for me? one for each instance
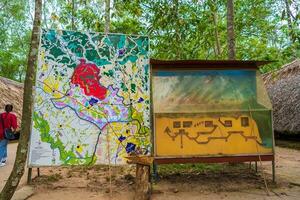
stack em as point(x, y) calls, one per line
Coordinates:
point(19, 165)
point(45, 15)
point(107, 16)
point(230, 30)
point(73, 15)
point(215, 21)
point(142, 183)
point(289, 20)
point(177, 29)
point(217, 38)
point(288, 16)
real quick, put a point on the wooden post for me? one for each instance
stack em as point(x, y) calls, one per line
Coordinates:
point(142, 184)
point(29, 176)
point(38, 172)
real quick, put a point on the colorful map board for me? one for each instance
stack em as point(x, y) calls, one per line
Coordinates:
point(92, 99)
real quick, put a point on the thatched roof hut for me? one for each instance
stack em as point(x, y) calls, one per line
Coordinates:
point(283, 86)
point(11, 92)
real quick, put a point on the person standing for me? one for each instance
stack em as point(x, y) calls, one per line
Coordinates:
point(8, 120)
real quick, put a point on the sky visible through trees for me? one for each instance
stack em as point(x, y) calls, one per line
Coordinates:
point(179, 29)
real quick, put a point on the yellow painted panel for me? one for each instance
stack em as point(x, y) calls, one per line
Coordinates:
point(207, 136)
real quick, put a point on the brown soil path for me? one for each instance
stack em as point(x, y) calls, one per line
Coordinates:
point(237, 183)
point(287, 165)
point(5, 171)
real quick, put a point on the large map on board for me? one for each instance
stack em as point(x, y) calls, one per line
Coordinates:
point(91, 99)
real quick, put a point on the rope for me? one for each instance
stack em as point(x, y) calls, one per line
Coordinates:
point(263, 173)
point(109, 163)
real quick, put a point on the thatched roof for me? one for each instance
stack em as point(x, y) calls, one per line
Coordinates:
point(287, 70)
point(11, 92)
point(283, 86)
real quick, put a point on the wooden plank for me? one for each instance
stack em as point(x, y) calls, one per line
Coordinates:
point(143, 160)
point(205, 64)
point(233, 159)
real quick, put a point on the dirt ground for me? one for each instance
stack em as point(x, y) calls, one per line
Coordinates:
point(188, 182)
point(5, 171)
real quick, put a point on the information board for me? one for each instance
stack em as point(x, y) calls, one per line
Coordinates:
point(92, 99)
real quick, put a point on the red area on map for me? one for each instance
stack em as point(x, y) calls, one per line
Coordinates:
point(86, 75)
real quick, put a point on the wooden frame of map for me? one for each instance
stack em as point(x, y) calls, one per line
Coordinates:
point(92, 99)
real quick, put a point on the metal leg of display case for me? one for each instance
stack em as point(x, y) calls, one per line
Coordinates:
point(273, 171)
point(256, 166)
point(155, 173)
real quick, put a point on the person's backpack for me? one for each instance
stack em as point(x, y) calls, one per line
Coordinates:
point(8, 133)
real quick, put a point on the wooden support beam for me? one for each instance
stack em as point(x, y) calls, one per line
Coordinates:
point(29, 175)
point(222, 159)
point(142, 183)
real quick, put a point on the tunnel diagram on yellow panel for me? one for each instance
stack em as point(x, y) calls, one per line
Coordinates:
point(208, 136)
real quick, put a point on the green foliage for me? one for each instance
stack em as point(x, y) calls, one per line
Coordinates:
point(200, 168)
point(186, 29)
point(189, 168)
point(14, 39)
